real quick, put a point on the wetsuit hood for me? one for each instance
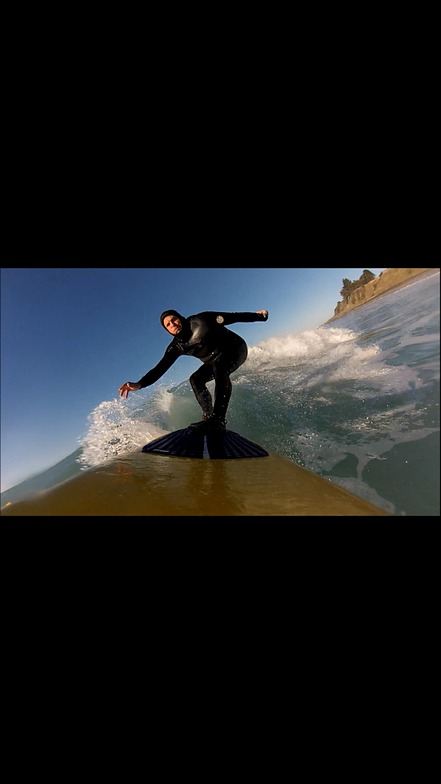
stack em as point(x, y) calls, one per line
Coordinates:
point(172, 313)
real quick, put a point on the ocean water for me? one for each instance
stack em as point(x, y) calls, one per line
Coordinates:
point(355, 401)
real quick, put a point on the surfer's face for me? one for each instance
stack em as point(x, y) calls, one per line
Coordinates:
point(172, 324)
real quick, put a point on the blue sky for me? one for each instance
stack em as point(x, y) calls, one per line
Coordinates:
point(70, 337)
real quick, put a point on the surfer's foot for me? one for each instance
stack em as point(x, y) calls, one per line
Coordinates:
point(216, 423)
point(198, 425)
point(210, 423)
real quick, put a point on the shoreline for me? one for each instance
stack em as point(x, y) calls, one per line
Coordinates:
point(427, 273)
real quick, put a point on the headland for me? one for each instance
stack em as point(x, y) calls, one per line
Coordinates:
point(387, 281)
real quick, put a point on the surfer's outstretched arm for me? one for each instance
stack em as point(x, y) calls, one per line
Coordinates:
point(153, 375)
point(233, 318)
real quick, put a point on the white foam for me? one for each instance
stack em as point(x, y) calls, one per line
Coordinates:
point(308, 345)
point(115, 428)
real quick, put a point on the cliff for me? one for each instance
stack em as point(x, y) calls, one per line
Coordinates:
point(391, 278)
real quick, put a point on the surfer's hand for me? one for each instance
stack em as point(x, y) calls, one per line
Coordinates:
point(263, 313)
point(129, 386)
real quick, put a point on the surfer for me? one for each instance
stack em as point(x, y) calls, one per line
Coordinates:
point(221, 351)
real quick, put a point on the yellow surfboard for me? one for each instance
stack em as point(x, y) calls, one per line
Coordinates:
point(151, 485)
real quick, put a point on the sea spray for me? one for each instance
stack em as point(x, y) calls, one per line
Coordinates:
point(117, 427)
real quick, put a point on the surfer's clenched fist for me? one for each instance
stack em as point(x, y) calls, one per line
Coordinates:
point(129, 386)
point(263, 313)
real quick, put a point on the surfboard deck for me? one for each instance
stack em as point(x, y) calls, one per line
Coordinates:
point(152, 485)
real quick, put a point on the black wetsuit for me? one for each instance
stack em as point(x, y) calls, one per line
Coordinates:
point(205, 337)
